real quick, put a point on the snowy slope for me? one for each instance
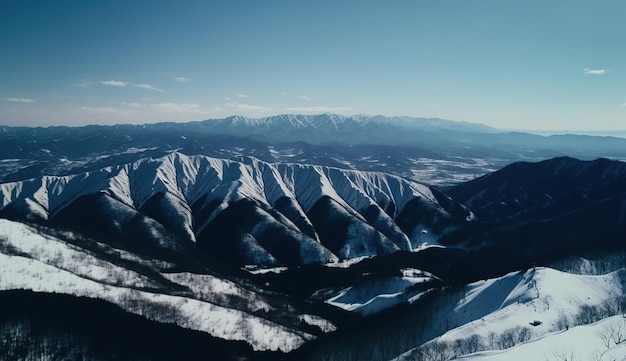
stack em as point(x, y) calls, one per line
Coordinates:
point(198, 199)
point(599, 341)
point(29, 260)
point(521, 306)
point(372, 296)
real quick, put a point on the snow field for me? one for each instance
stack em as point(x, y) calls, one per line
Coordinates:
point(586, 342)
point(70, 272)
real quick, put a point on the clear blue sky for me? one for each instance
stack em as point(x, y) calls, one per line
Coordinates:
point(510, 64)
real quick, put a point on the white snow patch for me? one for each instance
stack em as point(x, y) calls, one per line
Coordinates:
point(317, 321)
point(376, 295)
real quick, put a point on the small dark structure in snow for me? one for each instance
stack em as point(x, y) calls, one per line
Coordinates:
point(536, 323)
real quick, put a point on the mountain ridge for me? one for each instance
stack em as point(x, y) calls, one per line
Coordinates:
point(244, 210)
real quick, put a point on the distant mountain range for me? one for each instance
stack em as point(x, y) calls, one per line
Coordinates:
point(434, 151)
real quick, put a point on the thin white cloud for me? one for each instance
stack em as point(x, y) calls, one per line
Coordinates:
point(178, 108)
point(248, 107)
point(318, 109)
point(182, 79)
point(19, 100)
point(149, 87)
point(83, 83)
point(243, 96)
point(622, 105)
point(591, 71)
point(120, 84)
point(62, 96)
point(117, 83)
point(303, 97)
point(100, 110)
point(132, 105)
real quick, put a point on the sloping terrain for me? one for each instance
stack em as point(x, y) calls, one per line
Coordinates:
point(521, 307)
point(205, 301)
point(489, 316)
point(55, 326)
point(542, 190)
point(247, 212)
point(600, 341)
point(531, 212)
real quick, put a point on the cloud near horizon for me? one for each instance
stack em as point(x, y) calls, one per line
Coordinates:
point(318, 109)
point(19, 100)
point(178, 108)
point(100, 110)
point(248, 107)
point(132, 104)
point(182, 79)
point(594, 71)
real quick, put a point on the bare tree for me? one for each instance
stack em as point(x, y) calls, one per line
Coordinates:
point(474, 344)
point(618, 334)
point(605, 337)
point(563, 355)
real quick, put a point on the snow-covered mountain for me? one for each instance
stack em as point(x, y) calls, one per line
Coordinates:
point(324, 128)
point(525, 313)
point(319, 236)
point(248, 212)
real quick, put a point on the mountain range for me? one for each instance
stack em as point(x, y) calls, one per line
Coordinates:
point(433, 151)
point(309, 237)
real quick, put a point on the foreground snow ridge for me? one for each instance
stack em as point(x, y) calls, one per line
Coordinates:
point(596, 342)
point(522, 310)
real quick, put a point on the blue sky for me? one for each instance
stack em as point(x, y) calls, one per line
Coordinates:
point(555, 65)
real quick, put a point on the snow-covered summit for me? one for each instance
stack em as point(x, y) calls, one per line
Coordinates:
point(321, 128)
